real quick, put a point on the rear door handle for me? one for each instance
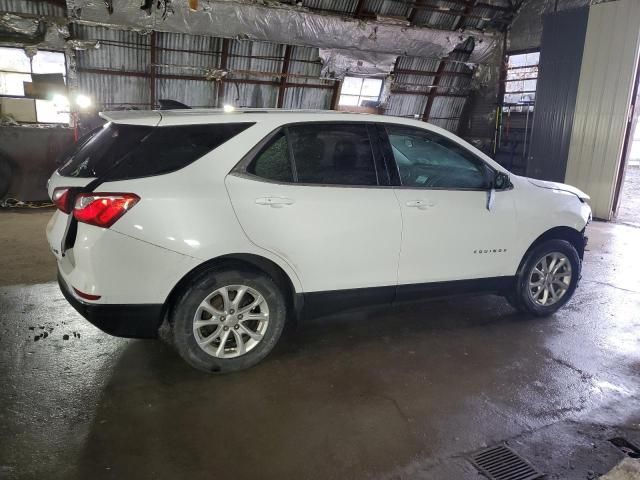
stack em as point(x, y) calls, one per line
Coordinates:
point(421, 204)
point(275, 202)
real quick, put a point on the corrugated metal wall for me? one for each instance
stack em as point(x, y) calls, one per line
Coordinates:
point(123, 53)
point(306, 61)
point(187, 55)
point(33, 7)
point(563, 37)
point(604, 95)
point(119, 74)
point(136, 69)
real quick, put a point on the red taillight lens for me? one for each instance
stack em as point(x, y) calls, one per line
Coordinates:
point(62, 197)
point(103, 209)
point(86, 296)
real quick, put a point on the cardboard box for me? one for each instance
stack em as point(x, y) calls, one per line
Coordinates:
point(21, 109)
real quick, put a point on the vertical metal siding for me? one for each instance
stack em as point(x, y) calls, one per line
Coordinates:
point(188, 55)
point(121, 50)
point(563, 36)
point(114, 91)
point(300, 97)
point(604, 96)
point(406, 105)
point(268, 59)
point(36, 7)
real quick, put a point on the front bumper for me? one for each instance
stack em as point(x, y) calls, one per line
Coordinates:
point(130, 321)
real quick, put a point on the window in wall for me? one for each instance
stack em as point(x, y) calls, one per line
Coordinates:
point(356, 91)
point(16, 68)
point(521, 81)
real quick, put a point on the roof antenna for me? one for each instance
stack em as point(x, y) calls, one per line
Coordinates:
point(167, 104)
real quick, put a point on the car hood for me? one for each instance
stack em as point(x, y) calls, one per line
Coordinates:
point(559, 186)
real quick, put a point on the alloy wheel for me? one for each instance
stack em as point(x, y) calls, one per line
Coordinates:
point(550, 279)
point(231, 321)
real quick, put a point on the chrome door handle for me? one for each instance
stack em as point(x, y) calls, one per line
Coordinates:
point(275, 202)
point(421, 204)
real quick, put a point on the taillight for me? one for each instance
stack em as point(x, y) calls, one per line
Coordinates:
point(62, 197)
point(86, 296)
point(103, 209)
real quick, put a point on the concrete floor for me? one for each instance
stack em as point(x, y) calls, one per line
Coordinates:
point(24, 255)
point(629, 209)
point(404, 393)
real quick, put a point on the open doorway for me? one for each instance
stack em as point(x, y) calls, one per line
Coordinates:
point(627, 199)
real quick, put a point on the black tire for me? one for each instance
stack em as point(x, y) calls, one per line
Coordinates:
point(183, 314)
point(522, 300)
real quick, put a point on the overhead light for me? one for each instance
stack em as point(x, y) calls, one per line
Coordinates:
point(83, 101)
point(228, 108)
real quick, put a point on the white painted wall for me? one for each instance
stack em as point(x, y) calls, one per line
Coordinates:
point(604, 96)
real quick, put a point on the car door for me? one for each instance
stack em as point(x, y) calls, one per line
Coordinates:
point(317, 195)
point(451, 231)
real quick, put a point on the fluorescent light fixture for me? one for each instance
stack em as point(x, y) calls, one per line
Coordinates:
point(83, 101)
point(228, 108)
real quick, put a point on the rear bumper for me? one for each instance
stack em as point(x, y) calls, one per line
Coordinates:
point(130, 321)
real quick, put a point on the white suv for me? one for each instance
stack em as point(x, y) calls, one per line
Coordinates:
point(229, 225)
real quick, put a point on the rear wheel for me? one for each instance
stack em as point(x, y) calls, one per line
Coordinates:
point(548, 278)
point(228, 320)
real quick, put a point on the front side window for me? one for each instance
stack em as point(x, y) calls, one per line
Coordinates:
point(428, 160)
point(333, 154)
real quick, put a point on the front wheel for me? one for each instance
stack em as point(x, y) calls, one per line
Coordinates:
point(548, 278)
point(228, 320)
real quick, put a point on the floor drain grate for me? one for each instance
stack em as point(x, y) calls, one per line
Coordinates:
point(626, 447)
point(502, 463)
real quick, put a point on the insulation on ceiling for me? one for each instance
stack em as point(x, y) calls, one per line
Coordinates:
point(279, 23)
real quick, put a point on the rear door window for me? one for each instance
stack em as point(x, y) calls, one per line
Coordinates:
point(333, 154)
point(121, 151)
point(273, 162)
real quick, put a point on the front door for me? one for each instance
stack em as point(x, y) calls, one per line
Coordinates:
point(450, 232)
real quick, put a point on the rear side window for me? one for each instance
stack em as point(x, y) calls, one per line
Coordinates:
point(273, 162)
point(333, 154)
point(120, 151)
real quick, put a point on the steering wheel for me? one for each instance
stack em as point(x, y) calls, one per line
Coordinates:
point(435, 180)
point(406, 175)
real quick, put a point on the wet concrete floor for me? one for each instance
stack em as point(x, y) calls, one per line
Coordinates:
point(403, 393)
point(629, 208)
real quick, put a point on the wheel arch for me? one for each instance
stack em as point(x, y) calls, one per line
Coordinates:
point(569, 234)
point(240, 261)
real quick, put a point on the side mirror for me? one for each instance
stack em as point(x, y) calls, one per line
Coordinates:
point(501, 181)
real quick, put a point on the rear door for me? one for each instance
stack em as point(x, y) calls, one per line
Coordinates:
point(317, 195)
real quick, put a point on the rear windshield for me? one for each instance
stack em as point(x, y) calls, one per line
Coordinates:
point(119, 151)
